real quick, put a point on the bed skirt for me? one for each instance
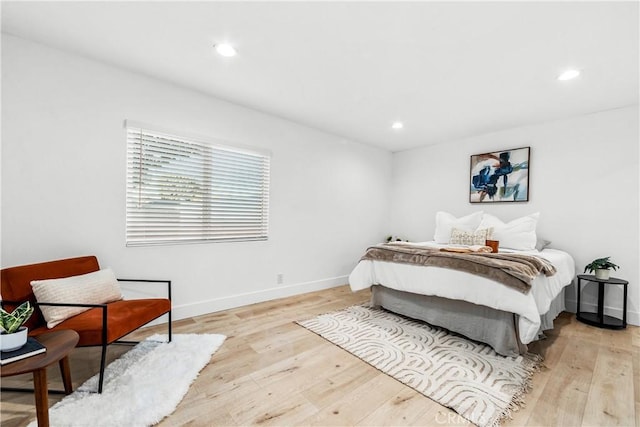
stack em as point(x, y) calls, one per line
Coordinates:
point(494, 327)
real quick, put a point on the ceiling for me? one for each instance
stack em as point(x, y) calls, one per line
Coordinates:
point(445, 69)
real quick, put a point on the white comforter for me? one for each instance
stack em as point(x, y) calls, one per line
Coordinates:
point(459, 285)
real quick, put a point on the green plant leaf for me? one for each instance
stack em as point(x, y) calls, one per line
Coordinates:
point(11, 322)
point(601, 263)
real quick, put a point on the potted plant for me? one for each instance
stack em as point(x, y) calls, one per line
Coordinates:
point(395, 239)
point(601, 266)
point(13, 334)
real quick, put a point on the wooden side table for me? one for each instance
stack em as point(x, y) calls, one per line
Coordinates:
point(599, 319)
point(59, 344)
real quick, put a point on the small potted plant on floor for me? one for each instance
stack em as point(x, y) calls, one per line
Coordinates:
point(13, 334)
point(601, 266)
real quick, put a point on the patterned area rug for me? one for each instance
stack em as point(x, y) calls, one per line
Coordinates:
point(466, 376)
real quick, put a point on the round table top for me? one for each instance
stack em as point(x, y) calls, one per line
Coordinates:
point(58, 344)
point(611, 280)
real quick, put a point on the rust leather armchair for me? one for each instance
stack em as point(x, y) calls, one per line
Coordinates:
point(102, 324)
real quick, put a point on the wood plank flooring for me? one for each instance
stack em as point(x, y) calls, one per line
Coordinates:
point(271, 371)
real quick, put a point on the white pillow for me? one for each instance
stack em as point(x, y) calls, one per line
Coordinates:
point(99, 287)
point(478, 237)
point(445, 222)
point(542, 243)
point(519, 234)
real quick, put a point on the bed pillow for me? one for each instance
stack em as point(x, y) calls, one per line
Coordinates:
point(478, 237)
point(542, 243)
point(519, 234)
point(99, 287)
point(445, 223)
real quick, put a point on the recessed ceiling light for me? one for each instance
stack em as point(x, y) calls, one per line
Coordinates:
point(225, 49)
point(397, 125)
point(569, 74)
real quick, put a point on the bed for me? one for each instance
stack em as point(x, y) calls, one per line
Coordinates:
point(478, 307)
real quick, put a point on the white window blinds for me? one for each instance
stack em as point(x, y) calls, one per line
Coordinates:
point(181, 190)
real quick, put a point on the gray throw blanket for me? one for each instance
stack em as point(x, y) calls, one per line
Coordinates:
point(514, 270)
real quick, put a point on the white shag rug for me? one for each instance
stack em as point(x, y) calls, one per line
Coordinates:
point(141, 387)
point(466, 376)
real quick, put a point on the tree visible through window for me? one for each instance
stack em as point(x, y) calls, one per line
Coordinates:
point(182, 190)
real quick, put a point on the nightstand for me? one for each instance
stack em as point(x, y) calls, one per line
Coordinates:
point(599, 319)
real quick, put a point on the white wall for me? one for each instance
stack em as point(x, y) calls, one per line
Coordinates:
point(63, 182)
point(583, 180)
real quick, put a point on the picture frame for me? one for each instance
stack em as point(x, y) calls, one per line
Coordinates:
point(500, 176)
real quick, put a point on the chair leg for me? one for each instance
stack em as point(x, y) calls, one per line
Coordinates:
point(169, 325)
point(103, 360)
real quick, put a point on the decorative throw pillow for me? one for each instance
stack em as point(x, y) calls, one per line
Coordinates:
point(445, 222)
point(478, 237)
point(519, 234)
point(99, 287)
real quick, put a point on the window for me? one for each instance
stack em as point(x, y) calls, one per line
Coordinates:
point(183, 190)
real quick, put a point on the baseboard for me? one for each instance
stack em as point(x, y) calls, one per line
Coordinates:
point(633, 317)
point(225, 303)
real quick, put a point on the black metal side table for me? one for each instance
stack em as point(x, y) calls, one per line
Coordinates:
point(599, 319)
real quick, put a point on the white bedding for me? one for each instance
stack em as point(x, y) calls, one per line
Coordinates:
point(460, 285)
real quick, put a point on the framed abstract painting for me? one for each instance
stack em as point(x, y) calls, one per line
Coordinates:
point(501, 176)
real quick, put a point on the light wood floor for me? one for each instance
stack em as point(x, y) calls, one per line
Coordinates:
point(271, 371)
